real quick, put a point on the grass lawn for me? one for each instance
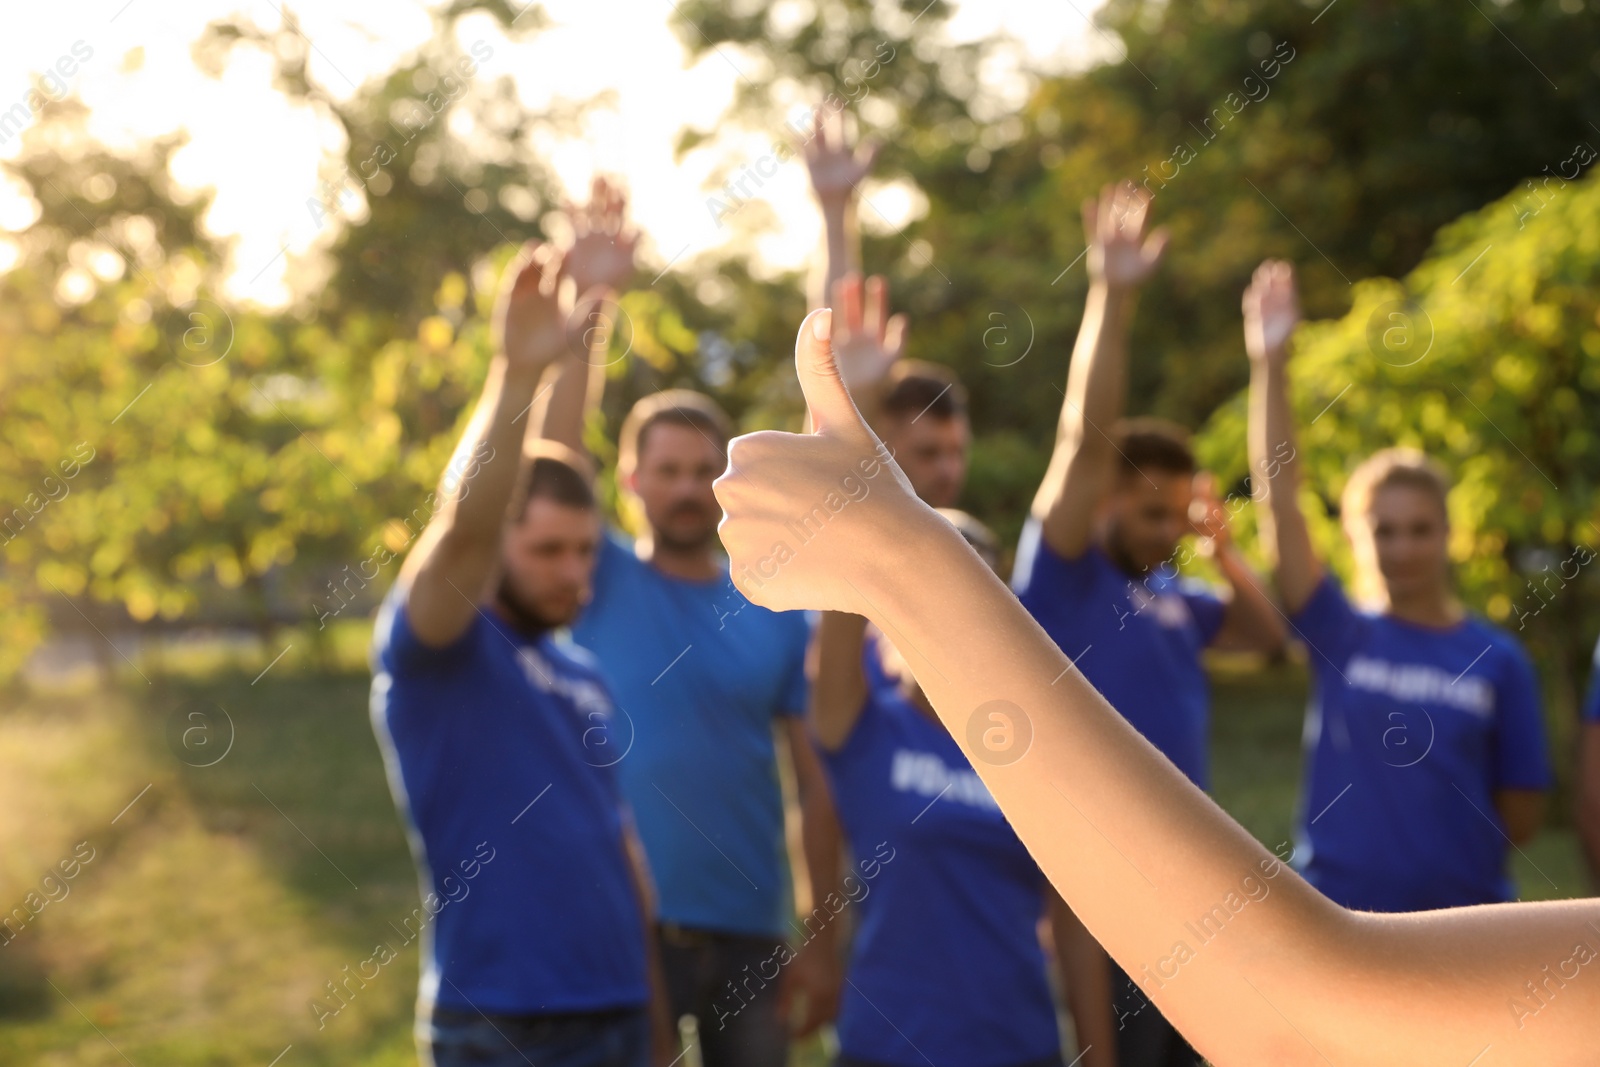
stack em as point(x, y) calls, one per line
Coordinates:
point(220, 900)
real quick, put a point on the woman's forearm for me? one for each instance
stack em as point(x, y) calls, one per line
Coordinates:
point(1137, 851)
point(1247, 959)
point(1252, 965)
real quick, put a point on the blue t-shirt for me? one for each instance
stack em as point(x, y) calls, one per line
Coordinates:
point(1410, 731)
point(516, 825)
point(700, 675)
point(946, 959)
point(1591, 706)
point(1137, 640)
point(878, 679)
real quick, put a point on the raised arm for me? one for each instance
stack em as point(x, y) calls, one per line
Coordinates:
point(449, 570)
point(1146, 860)
point(1271, 313)
point(1251, 622)
point(869, 340)
point(838, 683)
point(837, 169)
point(1084, 460)
point(600, 262)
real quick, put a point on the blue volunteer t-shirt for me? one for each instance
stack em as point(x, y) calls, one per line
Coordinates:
point(1410, 731)
point(515, 823)
point(700, 675)
point(1137, 640)
point(946, 959)
point(1591, 705)
point(878, 679)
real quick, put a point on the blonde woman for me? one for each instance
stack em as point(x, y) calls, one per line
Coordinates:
point(1425, 750)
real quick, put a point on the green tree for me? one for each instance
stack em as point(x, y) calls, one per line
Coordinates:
point(1342, 136)
point(1487, 357)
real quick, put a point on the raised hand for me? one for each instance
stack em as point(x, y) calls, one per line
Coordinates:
point(867, 340)
point(836, 167)
point(807, 517)
point(1120, 255)
point(533, 324)
point(1271, 311)
point(603, 242)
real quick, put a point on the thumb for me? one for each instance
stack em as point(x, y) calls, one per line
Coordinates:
point(827, 398)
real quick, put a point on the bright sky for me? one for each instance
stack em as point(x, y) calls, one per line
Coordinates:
point(129, 61)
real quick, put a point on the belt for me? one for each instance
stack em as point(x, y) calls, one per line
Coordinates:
point(695, 937)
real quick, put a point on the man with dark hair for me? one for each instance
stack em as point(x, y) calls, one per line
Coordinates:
point(1098, 561)
point(919, 411)
point(1146, 442)
point(536, 905)
point(713, 687)
point(922, 418)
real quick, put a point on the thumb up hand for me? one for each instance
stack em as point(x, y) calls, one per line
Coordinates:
point(807, 518)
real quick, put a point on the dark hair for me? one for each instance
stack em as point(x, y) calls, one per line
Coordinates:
point(550, 478)
point(680, 407)
point(1150, 443)
point(916, 387)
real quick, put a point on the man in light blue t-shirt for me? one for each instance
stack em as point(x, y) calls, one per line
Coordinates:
point(710, 689)
point(1098, 562)
point(1426, 759)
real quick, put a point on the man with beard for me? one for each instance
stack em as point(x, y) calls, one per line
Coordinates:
point(711, 688)
point(535, 906)
point(1096, 563)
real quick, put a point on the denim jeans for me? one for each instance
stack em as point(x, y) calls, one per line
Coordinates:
point(718, 978)
point(619, 1038)
point(1144, 1036)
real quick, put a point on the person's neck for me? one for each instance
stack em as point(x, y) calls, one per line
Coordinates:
point(523, 626)
point(1437, 608)
point(919, 699)
point(691, 564)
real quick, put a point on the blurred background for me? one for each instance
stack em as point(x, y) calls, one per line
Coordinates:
point(247, 255)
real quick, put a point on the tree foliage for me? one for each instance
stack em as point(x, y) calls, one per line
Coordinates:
point(1487, 357)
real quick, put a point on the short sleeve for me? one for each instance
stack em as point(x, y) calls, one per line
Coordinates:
point(396, 647)
point(1040, 572)
point(1521, 754)
point(1207, 608)
point(796, 695)
point(867, 735)
point(611, 565)
point(1329, 627)
point(1591, 705)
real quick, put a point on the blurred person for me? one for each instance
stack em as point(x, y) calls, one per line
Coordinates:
point(1425, 746)
point(713, 689)
point(537, 907)
point(1143, 857)
point(955, 884)
point(918, 408)
point(1095, 564)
